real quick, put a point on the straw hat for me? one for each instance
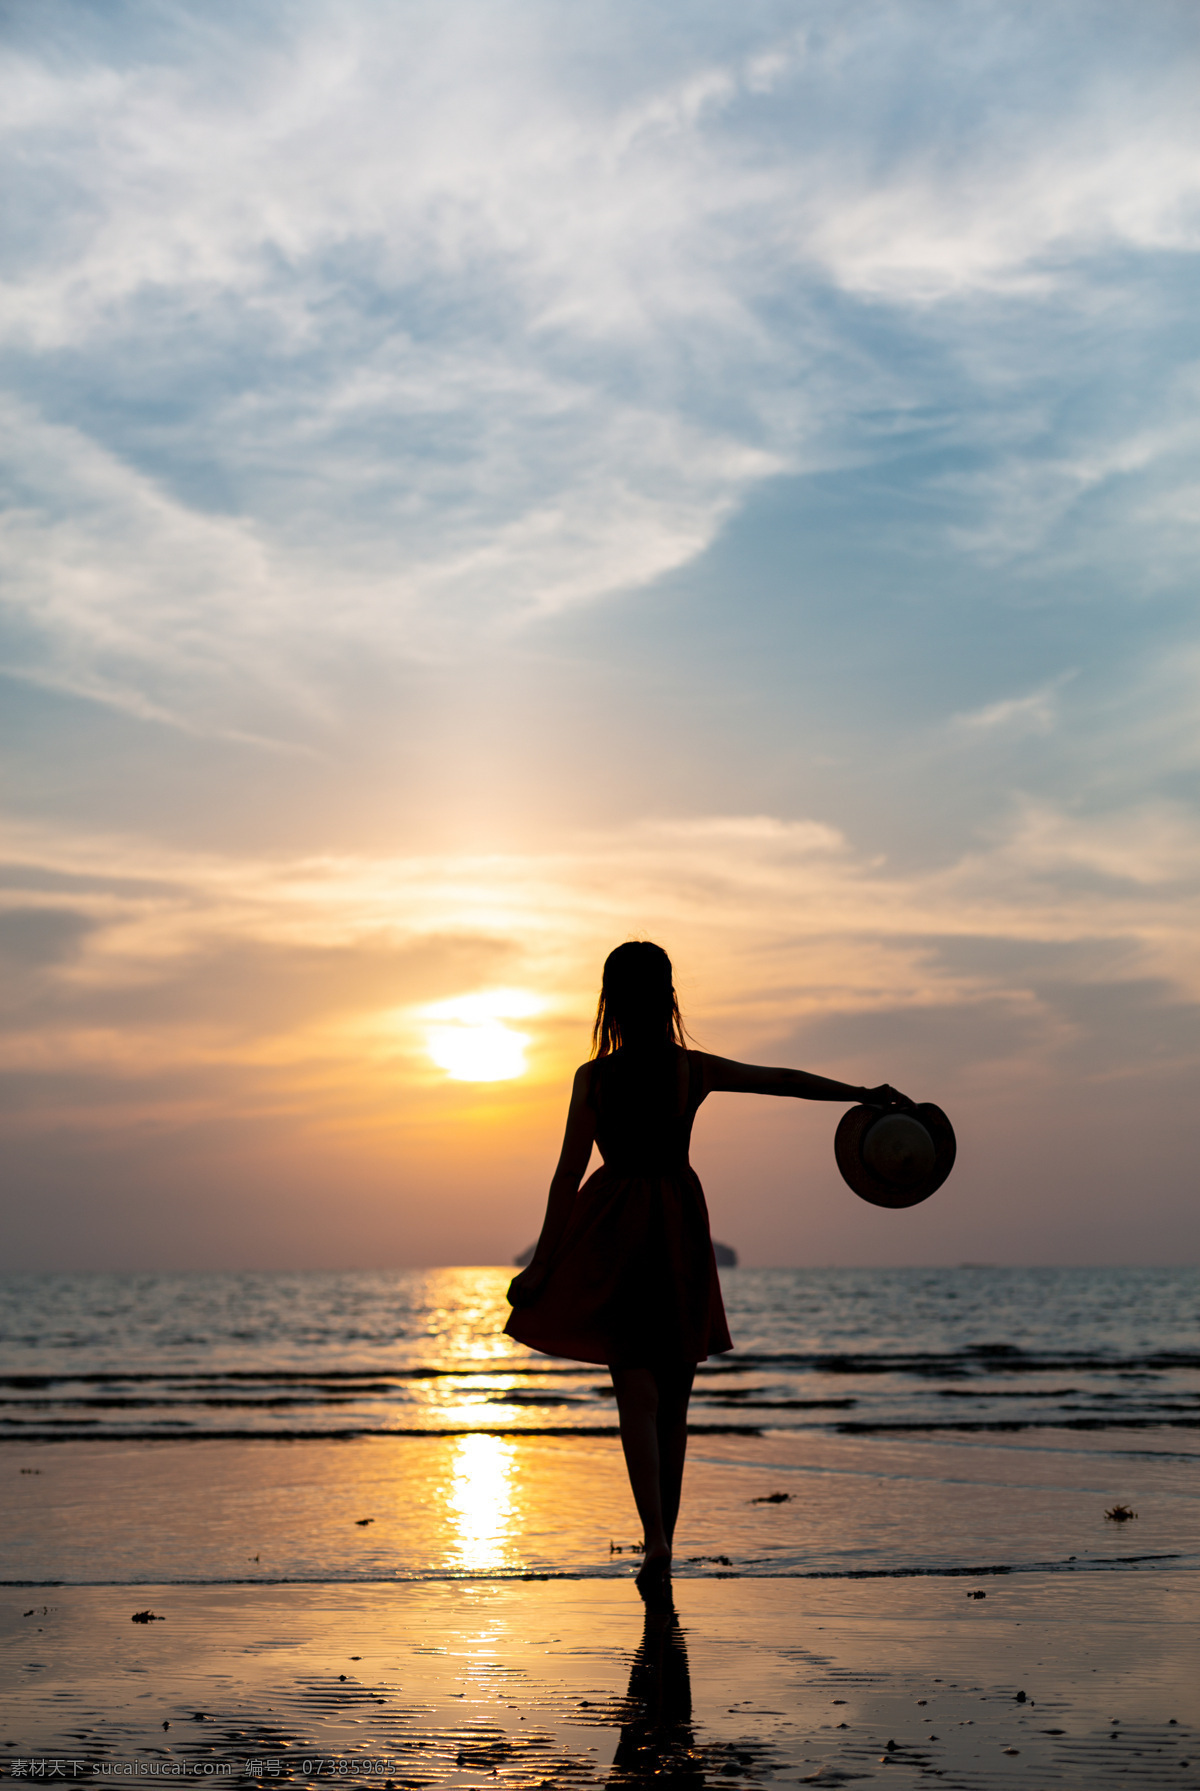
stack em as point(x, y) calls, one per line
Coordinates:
point(895, 1157)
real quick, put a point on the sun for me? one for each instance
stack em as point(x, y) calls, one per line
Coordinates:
point(469, 1038)
point(485, 1052)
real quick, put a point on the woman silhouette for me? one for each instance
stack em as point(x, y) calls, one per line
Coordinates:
point(623, 1272)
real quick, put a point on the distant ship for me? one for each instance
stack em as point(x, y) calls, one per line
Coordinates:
point(725, 1254)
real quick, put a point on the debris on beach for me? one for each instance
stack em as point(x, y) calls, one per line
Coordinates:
point(702, 1560)
point(147, 1617)
point(976, 1594)
point(772, 1499)
point(626, 1548)
point(1120, 1514)
point(360, 1521)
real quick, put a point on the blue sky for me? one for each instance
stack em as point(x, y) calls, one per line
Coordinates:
point(484, 481)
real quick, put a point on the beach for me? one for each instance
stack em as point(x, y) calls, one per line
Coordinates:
point(541, 1683)
point(516, 1660)
point(402, 1553)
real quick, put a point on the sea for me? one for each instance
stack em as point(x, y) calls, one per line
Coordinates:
point(422, 1352)
point(868, 1421)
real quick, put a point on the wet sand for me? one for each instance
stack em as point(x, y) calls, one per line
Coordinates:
point(459, 1610)
point(549, 1683)
point(493, 1505)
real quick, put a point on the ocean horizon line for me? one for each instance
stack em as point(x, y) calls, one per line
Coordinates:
point(509, 1267)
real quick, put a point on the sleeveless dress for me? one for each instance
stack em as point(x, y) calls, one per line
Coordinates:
point(633, 1282)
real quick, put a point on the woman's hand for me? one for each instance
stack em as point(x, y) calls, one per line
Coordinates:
point(524, 1288)
point(885, 1096)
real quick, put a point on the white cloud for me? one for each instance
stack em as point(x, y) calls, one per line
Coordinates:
point(1014, 717)
point(1155, 844)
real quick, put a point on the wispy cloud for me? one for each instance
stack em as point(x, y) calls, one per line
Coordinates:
point(1035, 713)
point(373, 327)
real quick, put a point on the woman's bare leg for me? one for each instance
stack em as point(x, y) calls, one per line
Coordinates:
point(653, 1406)
point(637, 1407)
point(674, 1391)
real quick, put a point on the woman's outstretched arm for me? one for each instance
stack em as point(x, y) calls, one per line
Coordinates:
point(572, 1161)
point(723, 1073)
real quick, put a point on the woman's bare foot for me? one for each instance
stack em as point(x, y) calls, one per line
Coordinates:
point(654, 1578)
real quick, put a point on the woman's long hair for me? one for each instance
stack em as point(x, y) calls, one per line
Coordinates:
point(638, 1006)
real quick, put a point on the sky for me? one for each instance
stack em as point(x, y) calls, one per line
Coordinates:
point(483, 482)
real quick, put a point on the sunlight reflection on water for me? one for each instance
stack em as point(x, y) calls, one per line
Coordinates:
point(481, 1504)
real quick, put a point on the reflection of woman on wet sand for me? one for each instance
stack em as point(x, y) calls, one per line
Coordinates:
point(623, 1272)
point(657, 1745)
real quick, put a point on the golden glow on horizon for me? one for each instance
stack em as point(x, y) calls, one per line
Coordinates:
point(470, 1040)
point(481, 1502)
point(771, 924)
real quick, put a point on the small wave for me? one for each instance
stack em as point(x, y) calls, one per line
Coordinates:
point(351, 1434)
point(873, 1427)
point(992, 1358)
point(756, 1570)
